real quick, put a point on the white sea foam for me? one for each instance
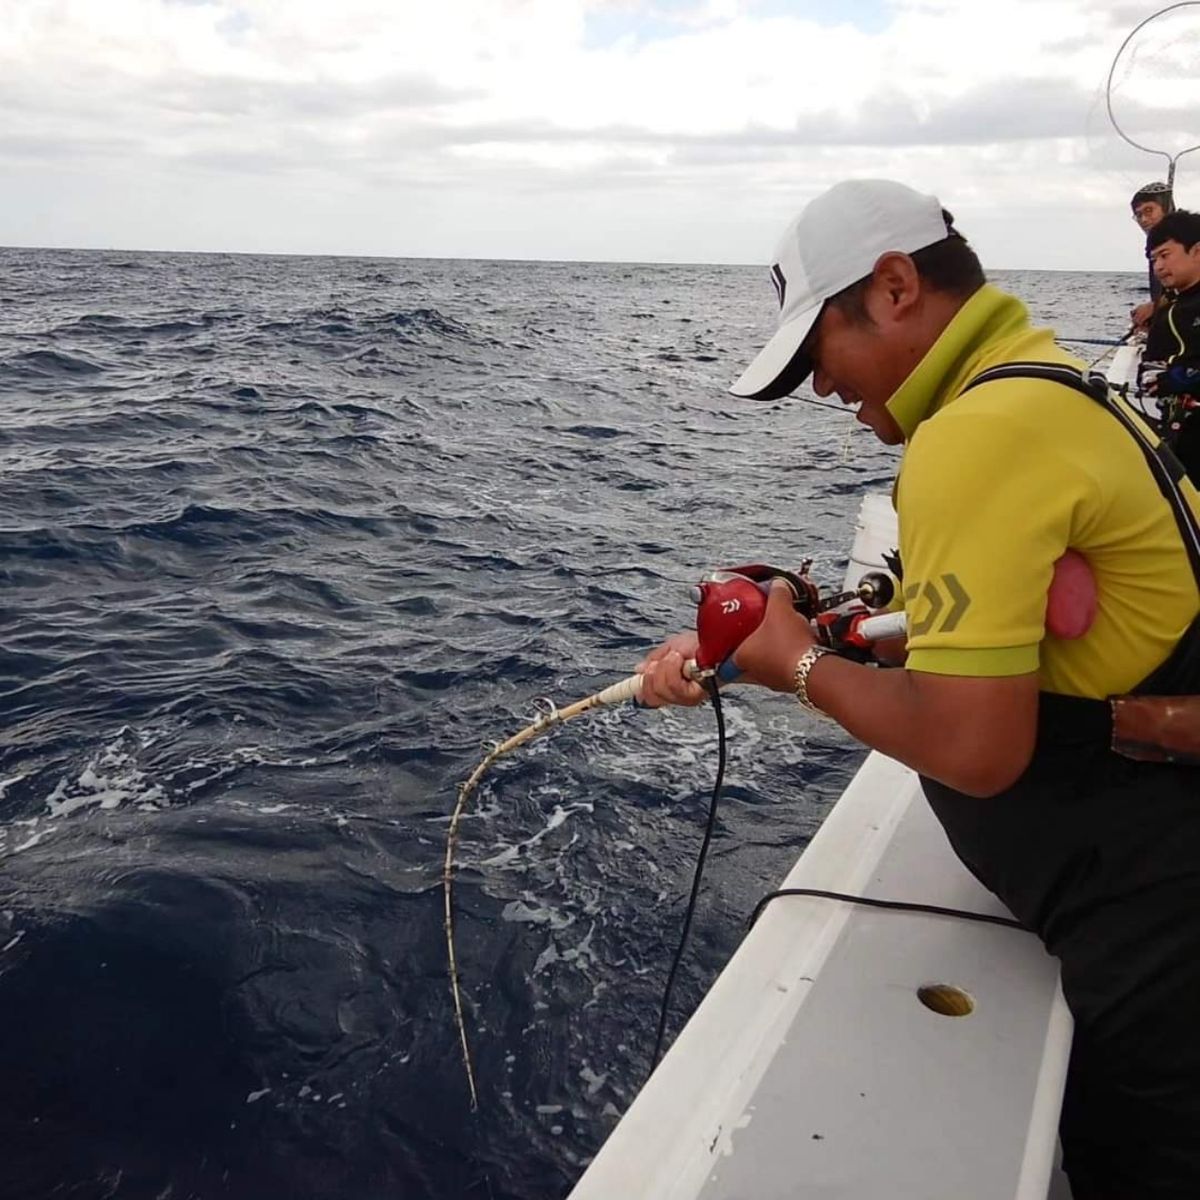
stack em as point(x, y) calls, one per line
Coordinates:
point(34, 839)
point(556, 819)
point(112, 779)
point(536, 914)
point(5, 784)
point(109, 780)
point(580, 955)
point(594, 1080)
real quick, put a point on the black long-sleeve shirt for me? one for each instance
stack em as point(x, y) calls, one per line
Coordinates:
point(1174, 340)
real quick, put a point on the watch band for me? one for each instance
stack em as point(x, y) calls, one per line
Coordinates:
point(803, 667)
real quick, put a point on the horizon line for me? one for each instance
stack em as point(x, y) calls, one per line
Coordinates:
point(628, 262)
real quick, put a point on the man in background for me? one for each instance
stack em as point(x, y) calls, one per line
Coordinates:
point(1170, 369)
point(1150, 204)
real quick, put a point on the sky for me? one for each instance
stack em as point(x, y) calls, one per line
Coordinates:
point(617, 130)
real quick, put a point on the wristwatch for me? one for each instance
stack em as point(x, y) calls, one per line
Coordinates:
point(800, 677)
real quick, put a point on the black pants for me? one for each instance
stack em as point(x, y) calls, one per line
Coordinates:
point(1130, 1122)
point(1101, 857)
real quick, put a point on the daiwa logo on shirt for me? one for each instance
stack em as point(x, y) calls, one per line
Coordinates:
point(935, 606)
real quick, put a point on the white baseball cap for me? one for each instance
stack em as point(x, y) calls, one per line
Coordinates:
point(834, 242)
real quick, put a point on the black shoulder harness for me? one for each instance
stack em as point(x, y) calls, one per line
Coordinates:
point(1166, 468)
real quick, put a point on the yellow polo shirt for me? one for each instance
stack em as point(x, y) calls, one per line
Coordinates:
point(996, 484)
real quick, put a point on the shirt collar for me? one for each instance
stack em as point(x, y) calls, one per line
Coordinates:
point(957, 356)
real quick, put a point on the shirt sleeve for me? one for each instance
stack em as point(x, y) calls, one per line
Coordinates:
point(985, 508)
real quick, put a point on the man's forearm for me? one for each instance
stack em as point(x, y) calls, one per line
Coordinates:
point(975, 735)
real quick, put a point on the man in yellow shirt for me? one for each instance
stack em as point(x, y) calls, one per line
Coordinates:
point(1010, 728)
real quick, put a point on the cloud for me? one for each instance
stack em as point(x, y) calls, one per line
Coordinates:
point(480, 96)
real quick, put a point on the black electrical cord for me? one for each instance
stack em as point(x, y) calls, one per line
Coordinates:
point(714, 693)
point(898, 905)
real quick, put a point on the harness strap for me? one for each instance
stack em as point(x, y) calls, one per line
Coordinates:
point(1166, 468)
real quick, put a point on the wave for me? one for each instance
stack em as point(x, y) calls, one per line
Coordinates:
point(284, 542)
point(48, 364)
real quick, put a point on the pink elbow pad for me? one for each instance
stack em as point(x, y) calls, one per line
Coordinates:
point(1071, 601)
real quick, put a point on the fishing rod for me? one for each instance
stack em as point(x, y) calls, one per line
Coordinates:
point(730, 605)
point(1123, 340)
point(618, 693)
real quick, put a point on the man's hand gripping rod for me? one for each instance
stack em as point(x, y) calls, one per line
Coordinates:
point(730, 606)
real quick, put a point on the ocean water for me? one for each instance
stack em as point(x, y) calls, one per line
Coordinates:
point(283, 543)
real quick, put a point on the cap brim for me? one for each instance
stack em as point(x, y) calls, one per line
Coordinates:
point(780, 368)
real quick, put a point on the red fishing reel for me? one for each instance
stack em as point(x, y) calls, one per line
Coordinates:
point(730, 606)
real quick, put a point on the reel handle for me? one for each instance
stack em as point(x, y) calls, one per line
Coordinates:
point(731, 604)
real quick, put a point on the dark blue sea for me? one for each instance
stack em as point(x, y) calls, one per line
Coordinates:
point(283, 543)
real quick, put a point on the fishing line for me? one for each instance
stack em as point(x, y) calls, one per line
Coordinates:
point(626, 689)
point(1124, 338)
point(550, 716)
point(838, 408)
point(845, 458)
